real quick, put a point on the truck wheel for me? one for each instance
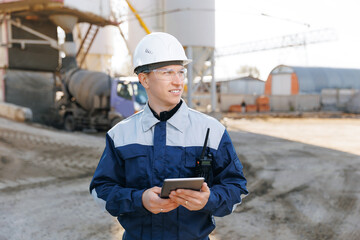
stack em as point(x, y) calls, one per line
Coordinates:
point(69, 123)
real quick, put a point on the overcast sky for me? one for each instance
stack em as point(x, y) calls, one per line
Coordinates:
point(239, 21)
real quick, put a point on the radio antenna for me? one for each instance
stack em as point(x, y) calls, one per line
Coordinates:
point(205, 144)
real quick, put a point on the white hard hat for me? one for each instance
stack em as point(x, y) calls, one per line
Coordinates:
point(156, 50)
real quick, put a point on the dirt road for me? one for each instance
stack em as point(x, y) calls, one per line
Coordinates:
point(44, 179)
point(303, 176)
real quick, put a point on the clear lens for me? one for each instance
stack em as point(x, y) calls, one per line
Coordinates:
point(168, 74)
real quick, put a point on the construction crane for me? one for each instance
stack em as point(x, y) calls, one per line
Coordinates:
point(291, 40)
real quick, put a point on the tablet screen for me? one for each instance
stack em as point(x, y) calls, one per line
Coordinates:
point(171, 184)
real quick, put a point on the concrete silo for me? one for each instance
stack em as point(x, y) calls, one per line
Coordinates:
point(192, 23)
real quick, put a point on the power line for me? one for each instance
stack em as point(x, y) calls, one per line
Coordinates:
point(285, 19)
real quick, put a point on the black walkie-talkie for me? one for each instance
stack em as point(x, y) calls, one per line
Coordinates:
point(203, 164)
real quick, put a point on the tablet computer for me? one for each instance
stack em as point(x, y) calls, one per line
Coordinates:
point(171, 184)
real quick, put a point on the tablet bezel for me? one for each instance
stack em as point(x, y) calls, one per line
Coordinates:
point(171, 184)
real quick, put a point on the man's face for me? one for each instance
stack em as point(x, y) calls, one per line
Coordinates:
point(164, 86)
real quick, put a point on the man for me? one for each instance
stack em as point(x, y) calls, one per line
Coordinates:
point(164, 141)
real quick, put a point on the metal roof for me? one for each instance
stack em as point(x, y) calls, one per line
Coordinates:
point(45, 8)
point(314, 79)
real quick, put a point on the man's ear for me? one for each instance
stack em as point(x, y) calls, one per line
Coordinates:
point(143, 79)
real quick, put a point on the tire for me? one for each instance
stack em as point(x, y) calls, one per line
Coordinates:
point(69, 123)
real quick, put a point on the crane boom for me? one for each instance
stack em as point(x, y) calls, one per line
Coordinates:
point(142, 23)
point(292, 40)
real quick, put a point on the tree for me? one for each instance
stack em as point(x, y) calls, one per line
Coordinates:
point(250, 71)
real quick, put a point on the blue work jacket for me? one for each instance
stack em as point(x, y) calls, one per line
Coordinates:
point(142, 151)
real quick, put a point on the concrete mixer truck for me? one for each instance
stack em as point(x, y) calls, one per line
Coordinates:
point(94, 100)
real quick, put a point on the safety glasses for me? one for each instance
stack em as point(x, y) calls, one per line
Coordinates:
point(168, 74)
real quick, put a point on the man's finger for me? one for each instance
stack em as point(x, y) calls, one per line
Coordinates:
point(205, 188)
point(156, 190)
point(185, 193)
point(181, 199)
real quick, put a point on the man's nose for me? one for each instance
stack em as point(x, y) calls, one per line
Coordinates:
point(176, 78)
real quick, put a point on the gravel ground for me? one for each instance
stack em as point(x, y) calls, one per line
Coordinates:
point(303, 177)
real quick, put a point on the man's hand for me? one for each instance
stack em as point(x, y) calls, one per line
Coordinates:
point(192, 200)
point(155, 204)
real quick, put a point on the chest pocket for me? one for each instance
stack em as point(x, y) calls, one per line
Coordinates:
point(191, 154)
point(190, 157)
point(137, 165)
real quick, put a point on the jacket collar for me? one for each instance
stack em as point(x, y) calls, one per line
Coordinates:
point(179, 120)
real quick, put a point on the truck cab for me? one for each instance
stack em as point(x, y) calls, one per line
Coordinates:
point(127, 97)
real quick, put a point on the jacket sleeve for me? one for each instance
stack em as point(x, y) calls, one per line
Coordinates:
point(108, 185)
point(229, 183)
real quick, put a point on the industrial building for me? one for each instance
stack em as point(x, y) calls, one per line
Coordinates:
point(40, 39)
point(33, 53)
point(311, 88)
point(238, 90)
point(30, 50)
point(243, 85)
